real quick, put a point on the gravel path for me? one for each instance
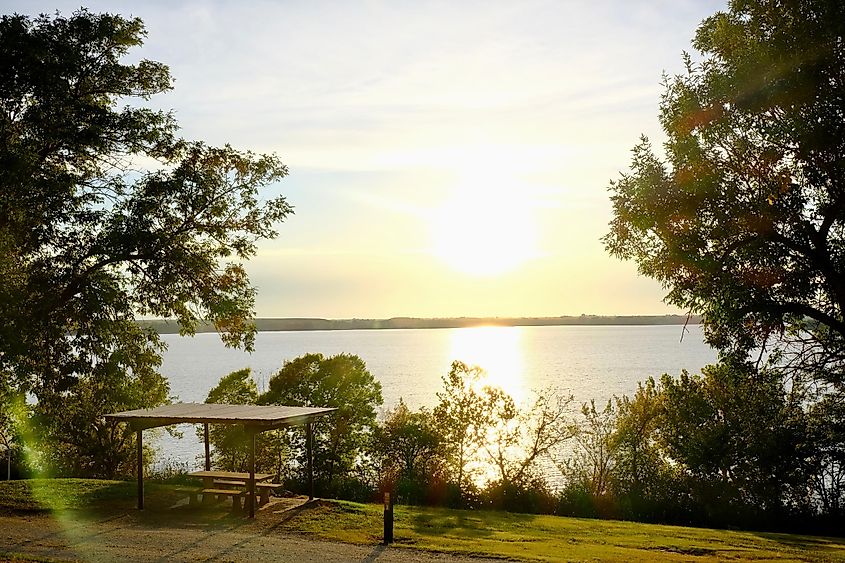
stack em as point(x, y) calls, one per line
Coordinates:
point(126, 538)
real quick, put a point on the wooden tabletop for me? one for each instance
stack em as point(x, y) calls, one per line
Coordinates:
point(235, 476)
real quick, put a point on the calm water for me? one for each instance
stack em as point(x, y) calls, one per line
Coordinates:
point(591, 362)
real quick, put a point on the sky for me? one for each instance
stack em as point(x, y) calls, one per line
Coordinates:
point(446, 158)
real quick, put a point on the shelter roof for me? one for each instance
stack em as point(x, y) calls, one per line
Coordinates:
point(264, 417)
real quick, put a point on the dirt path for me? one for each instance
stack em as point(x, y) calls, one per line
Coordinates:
point(128, 538)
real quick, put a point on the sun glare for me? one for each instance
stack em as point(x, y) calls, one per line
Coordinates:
point(498, 350)
point(484, 229)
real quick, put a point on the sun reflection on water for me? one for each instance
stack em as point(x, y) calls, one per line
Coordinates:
point(497, 349)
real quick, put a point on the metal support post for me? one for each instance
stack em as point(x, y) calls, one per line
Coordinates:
point(140, 441)
point(207, 451)
point(309, 446)
point(251, 497)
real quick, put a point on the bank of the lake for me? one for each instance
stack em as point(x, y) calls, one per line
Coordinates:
point(163, 326)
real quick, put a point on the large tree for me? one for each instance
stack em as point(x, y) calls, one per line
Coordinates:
point(741, 438)
point(743, 219)
point(106, 215)
point(340, 440)
point(409, 454)
point(231, 442)
point(467, 409)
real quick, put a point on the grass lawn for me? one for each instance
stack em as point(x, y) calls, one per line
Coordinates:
point(52, 495)
point(553, 538)
point(494, 534)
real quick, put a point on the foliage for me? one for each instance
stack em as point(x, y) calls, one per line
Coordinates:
point(408, 450)
point(743, 220)
point(638, 452)
point(466, 412)
point(73, 437)
point(231, 442)
point(826, 422)
point(272, 453)
point(741, 438)
point(647, 485)
point(341, 382)
point(589, 466)
point(88, 242)
point(522, 437)
point(14, 414)
point(418, 452)
point(731, 446)
point(594, 458)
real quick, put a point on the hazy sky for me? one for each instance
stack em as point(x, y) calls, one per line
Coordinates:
point(447, 158)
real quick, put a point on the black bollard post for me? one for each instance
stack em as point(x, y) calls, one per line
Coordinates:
point(388, 519)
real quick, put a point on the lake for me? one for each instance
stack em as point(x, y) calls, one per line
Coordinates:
point(591, 362)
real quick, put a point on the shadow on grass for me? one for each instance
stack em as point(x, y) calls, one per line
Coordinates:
point(164, 504)
point(471, 525)
point(820, 543)
point(50, 495)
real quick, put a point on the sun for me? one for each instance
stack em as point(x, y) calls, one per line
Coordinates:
point(483, 229)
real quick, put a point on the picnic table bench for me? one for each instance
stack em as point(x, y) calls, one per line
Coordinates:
point(230, 482)
point(209, 495)
point(265, 489)
point(218, 484)
point(192, 493)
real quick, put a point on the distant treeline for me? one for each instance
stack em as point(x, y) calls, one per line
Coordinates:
point(170, 326)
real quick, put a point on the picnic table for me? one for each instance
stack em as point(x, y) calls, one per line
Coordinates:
point(208, 477)
point(217, 484)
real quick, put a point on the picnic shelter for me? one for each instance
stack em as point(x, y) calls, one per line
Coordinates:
point(254, 418)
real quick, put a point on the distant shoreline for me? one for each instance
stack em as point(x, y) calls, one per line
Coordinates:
point(305, 324)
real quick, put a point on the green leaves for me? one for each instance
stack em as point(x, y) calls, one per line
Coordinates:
point(90, 240)
point(409, 453)
point(743, 220)
point(342, 382)
point(94, 240)
point(738, 428)
point(231, 443)
point(466, 411)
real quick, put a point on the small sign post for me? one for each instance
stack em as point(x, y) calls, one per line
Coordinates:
point(388, 519)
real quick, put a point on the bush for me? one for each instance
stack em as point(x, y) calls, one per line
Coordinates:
point(534, 497)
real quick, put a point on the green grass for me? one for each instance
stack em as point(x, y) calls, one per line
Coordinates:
point(552, 538)
point(494, 534)
point(51, 495)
